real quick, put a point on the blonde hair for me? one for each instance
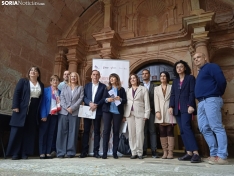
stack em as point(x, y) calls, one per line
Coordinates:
point(78, 78)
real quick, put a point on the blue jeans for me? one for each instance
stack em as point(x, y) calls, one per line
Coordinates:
point(210, 125)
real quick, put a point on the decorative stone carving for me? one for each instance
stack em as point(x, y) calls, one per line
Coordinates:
point(8, 81)
point(224, 12)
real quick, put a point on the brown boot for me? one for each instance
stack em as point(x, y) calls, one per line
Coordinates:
point(164, 145)
point(171, 144)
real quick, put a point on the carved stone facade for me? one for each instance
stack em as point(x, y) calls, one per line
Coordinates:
point(141, 31)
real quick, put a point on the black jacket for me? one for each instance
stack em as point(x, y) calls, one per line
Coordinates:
point(21, 100)
point(122, 94)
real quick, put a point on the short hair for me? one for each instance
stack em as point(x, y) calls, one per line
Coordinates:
point(203, 55)
point(54, 77)
point(78, 78)
point(187, 68)
point(146, 70)
point(96, 71)
point(38, 70)
point(118, 82)
point(167, 75)
point(129, 80)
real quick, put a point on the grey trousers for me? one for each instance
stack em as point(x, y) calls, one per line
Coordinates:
point(67, 136)
point(151, 127)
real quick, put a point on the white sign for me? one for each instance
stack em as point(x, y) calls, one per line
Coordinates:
point(108, 66)
point(85, 112)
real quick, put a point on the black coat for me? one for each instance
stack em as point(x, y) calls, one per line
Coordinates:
point(122, 94)
point(21, 100)
point(183, 95)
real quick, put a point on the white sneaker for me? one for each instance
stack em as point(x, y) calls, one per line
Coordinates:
point(218, 161)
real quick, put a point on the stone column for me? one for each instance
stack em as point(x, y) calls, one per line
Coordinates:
point(76, 53)
point(195, 6)
point(60, 62)
point(108, 15)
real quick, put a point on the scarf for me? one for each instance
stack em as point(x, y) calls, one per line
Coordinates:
point(55, 103)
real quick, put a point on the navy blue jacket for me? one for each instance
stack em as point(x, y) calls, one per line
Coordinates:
point(46, 102)
point(122, 94)
point(21, 100)
point(98, 99)
point(183, 95)
point(210, 81)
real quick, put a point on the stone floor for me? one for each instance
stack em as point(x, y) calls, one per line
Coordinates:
point(122, 166)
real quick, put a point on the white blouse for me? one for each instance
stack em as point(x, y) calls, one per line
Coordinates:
point(35, 91)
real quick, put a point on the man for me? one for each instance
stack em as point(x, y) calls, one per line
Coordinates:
point(210, 86)
point(60, 87)
point(65, 80)
point(93, 93)
point(149, 124)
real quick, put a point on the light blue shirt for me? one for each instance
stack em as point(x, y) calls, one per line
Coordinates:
point(61, 85)
point(113, 107)
point(146, 85)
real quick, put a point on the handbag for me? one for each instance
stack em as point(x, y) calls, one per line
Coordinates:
point(124, 147)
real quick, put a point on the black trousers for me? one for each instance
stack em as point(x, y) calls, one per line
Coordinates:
point(109, 117)
point(22, 139)
point(86, 135)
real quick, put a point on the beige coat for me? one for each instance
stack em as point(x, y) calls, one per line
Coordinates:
point(162, 104)
point(140, 103)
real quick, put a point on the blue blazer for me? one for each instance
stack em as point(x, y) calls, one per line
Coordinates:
point(183, 95)
point(98, 99)
point(46, 102)
point(122, 94)
point(21, 100)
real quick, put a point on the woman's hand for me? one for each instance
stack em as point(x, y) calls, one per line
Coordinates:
point(15, 110)
point(144, 119)
point(44, 119)
point(124, 119)
point(110, 99)
point(69, 110)
point(190, 109)
point(158, 115)
point(170, 110)
point(117, 98)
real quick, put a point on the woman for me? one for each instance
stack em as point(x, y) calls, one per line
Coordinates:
point(182, 106)
point(113, 112)
point(24, 120)
point(166, 122)
point(137, 111)
point(68, 121)
point(49, 117)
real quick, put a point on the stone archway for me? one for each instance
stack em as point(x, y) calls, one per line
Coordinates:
point(161, 58)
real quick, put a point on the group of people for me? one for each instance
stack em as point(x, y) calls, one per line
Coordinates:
point(55, 110)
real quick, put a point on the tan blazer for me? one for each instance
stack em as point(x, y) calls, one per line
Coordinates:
point(140, 102)
point(162, 104)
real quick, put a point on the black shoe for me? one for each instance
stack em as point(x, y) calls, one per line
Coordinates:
point(104, 156)
point(195, 159)
point(96, 155)
point(133, 157)
point(82, 155)
point(144, 154)
point(15, 158)
point(154, 154)
point(115, 156)
point(140, 157)
point(61, 156)
point(186, 157)
point(70, 156)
